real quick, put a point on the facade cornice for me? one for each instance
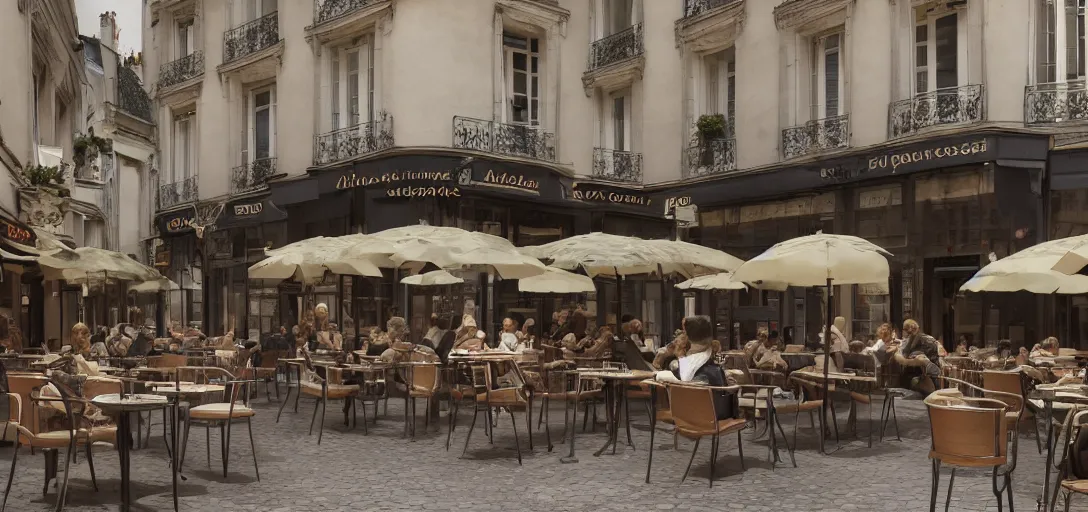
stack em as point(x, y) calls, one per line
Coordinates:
point(713, 29)
point(356, 22)
point(535, 12)
point(796, 13)
point(615, 75)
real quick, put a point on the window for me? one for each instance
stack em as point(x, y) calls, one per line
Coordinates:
point(183, 147)
point(619, 125)
point(936, 56)
point(258, 8)
point(1052, 65)
point(351, 85)
point(620, 15)
point(721, 81)
point(826, 76)
point(185, 38)
point(1074, 39)
point(260, 140)
point(521, 58)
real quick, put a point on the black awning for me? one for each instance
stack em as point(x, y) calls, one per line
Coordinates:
point(178, 222)
point(250, 212)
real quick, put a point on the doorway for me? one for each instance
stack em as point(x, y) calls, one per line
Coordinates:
point(949, 312)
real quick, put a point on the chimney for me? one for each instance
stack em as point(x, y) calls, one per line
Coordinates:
point(108, 23)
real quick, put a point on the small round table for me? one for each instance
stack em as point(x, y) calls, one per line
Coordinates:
point(114, 404)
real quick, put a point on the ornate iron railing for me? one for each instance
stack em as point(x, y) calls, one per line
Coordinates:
point(715, 156)
point(1056, 102)
point(503, 138)
point(951, 105)
point(697, 7)
point(131, 96)
point(610, 164)
point(178, 71)
point(816, 136)
point(251, 176)
point(326, 10)
point(616, 47)
point(252, 37)
point(178, 192)
point(353, 141)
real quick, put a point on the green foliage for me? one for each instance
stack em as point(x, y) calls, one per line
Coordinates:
point(43, 176)
point(711, 126)
point(88, 145)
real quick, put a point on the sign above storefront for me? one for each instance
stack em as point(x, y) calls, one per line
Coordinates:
point(17, 233)
point(178, 222)
point(597, 193)
point(250, 212)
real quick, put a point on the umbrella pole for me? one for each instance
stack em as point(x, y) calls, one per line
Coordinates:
point(619, 302)
point(731, 333)
point(713, 314)
point(827, 356)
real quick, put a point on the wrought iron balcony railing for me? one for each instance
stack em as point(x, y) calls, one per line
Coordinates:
point(951, 105)
point(816, 136)
point(178, 71)
point(251, 176)
point(697, 7)
point(178, 192)
point(615, 48)
point(353, 141)
point(503, 138)
point(610, 164)
point(715, 156)
point(252, 37)
point(1060, 102)
point(326, 10)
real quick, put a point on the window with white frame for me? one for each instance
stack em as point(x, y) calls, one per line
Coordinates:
point(617, 134)
point(619, 15)
point(185, 35)
point(521, 77)
point(244, 11)
point(826, 87)
point(1060, 60)
point(351, 91)
point(184, 158)
point(720, 73)
point(260, 137)
point(936, 52)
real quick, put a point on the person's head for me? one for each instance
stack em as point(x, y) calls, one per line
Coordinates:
point(468, 326)
point(910, 327)
point(81, 337)
point(1004, 348)
point(632, 325)
point(763, 337)
point(698, 328)
point(443, 323)
point(396, 327)
point(857, 346)
point(283, 331)
point(562, 316)
point(885, 332)
point(1050, 344)
point(578, 324)
point(321, 311)
point(434, 320)
point(509, 325)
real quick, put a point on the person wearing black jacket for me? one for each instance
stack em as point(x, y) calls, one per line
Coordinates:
point(695, 352)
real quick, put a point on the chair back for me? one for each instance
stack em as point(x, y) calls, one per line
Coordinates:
point(965, 430)
point(692, 407)
point(269, 358)
point(167, 361)
point(95, 387)
point(1005, 382)
point(426, 377)
point(23, 384)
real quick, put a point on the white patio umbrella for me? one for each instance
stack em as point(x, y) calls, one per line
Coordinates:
point(719, 281)
point(1075, 259)
point(158, 285)
point(557, 281)
point(605, 254)
point(454, 248)
point(1035, 270)
point(89, 265)
point(697, 260)
point(309, 268)
point(432, 278)
point(818, 260)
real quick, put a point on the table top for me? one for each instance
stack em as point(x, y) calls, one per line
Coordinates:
point(189, 390)
point(131, 403)
point(607, 375)
point(834, 376)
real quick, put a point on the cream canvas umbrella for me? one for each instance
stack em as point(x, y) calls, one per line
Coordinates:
point(158, 285)
point(1035, 269)
point(605, 254)
point(719, 281)
point(88, 265)
point(432, 278)
point(557, 281)
point(454, 248)
point(304, 266)
point(1075, 259)
point(818, 260)
point(696, 260)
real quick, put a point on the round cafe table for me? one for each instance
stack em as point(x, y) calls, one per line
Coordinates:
point(122, 407)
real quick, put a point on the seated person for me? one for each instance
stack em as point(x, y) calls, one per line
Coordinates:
point(1047, 348)
point(330, 339)
point(666, 356)
point(575, 330)
point(695, 363)
point(919, 350)
point(98, 345)
point(431, 338)
point(446, 338)
point(376, 342)
point(765, 354)
point(469, 337)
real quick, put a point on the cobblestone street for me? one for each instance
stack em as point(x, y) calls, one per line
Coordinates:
point(383, 471)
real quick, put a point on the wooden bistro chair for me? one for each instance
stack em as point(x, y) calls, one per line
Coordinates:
point(323, 389)
point(810, 399)
point(235, 408)
point(426, 380)
point(972, 433)
point(1012, 382)
point(562, 384)
point(1073, 464)
point(266, 371)
point(695, 417)
point(513, 399)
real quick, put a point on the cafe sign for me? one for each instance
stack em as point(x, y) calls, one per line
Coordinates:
point(592, 194)
point(421, 192)
point(248, 210)
point(507, 179)
point(354, 180)
point(13, 232)
point(910, 160)
point(176, 223)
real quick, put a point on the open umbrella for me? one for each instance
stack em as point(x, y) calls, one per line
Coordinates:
point(88, 265)
point(305, 266)
point(1075, 259)
point(719, 281)
point(818, 260)
point(557, 281)
point(605, 254)
point(432, 278)
point(453, 248)
point(1035, 269)
point(158, 285)
point(696, 260)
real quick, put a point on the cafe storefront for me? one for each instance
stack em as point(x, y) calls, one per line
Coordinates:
point(178, 257)
point(941, 208)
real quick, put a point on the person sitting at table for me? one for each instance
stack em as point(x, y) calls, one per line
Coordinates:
point(919, 350)
point(118, 342)
point(511, 339)
point(80, 340)
point(401, 349)
point(445, 338)
point(431, 338)
point(11, 337)
point(666, 356)
point(695, 363)
point(469, 337)
point(330, 339)
point(599, 347)
point(632, 330)
point(766, 355)
point(1046, 348)
point(575, 331)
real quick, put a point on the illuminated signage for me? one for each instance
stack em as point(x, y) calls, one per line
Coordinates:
point(353, 180)
point(246, 210)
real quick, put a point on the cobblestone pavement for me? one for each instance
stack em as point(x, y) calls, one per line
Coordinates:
point(383, 471)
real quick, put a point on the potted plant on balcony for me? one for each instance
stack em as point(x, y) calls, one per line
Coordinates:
point(709, 127)
point(85, 151)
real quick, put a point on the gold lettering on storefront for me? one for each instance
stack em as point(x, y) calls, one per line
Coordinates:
point(245, 210)
point(506, 179)
point(353, 180)
point(896, 160)
point(611, 197)
point(421, 192)
point(673, 203)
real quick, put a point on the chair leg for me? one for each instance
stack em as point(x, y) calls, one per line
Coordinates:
point(935, 475)
point(1068, 501)
point(529, 422)
point(540, 415)
point(713, 457)
point(544, 406)
point(62, 494)
point(796, 423)
point(223, 446)
point(11, 474)
point(951, 482)
point(283, 403)
point(517, 443)
point(208, 442)
point(693, 452)
point(52, 456)
point(1038, 440)
point(997, 492)
point(1008, 491)
point(451, 416)
point(740, 450)
point(895, 421)
point(184, 445)
point(321, 430)
point(90, 465)
point(253, 447)
point(314, 418)
point(471, 427)
point(789, 448)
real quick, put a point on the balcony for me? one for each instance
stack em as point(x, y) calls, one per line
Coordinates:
point(503, 138)
point(326, 10)
point(248, 39)
point(1061, 102)
point(948, 106)
point(181, 70)
point(613, 165)
point(615, 48)
point(717, 156)
point(816, 136)
point(693, 8)
point(251, 176)
point(178, 192)
point(354, 141)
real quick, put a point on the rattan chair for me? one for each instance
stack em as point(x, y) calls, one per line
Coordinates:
point(235, 408)
point(810, 399)
point(972, 432)
point(695, 417)
point(1071, 486)
point(1012, 382)
point(426, 380)
point(488, 398)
